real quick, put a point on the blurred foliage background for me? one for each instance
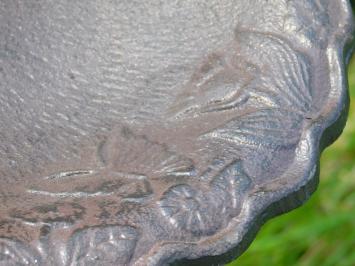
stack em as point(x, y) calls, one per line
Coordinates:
point(321, 232)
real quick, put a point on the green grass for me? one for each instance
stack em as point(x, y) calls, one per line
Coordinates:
point(321, 232)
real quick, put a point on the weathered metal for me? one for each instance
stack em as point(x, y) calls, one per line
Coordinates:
point(150, 132)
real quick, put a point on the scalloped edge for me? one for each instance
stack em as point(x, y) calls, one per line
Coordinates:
point(321, 133)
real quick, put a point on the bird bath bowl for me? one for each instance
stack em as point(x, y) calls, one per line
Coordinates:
point(149, 133)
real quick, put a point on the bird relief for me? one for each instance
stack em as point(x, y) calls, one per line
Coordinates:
point(259, 82)
point(128, 161)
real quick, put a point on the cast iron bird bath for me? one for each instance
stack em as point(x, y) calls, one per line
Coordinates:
point(151, 132)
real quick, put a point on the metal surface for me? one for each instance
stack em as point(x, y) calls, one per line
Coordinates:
point(148, 132)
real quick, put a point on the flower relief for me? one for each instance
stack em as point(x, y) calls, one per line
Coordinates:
point(190, 209)
point(203, 211)
point(110, 245)
point(232, 183)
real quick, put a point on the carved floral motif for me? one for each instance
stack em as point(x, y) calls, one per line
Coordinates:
point(191, 210)
point(110, 245)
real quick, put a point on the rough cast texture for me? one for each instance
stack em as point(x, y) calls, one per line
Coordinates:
point(150, 132)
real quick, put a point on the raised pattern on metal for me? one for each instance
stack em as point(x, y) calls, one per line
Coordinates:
point(145, 133)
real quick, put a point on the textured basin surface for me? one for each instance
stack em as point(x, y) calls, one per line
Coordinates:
point(157, 132)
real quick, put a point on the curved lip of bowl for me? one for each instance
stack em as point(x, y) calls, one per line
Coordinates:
point(261, 205)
